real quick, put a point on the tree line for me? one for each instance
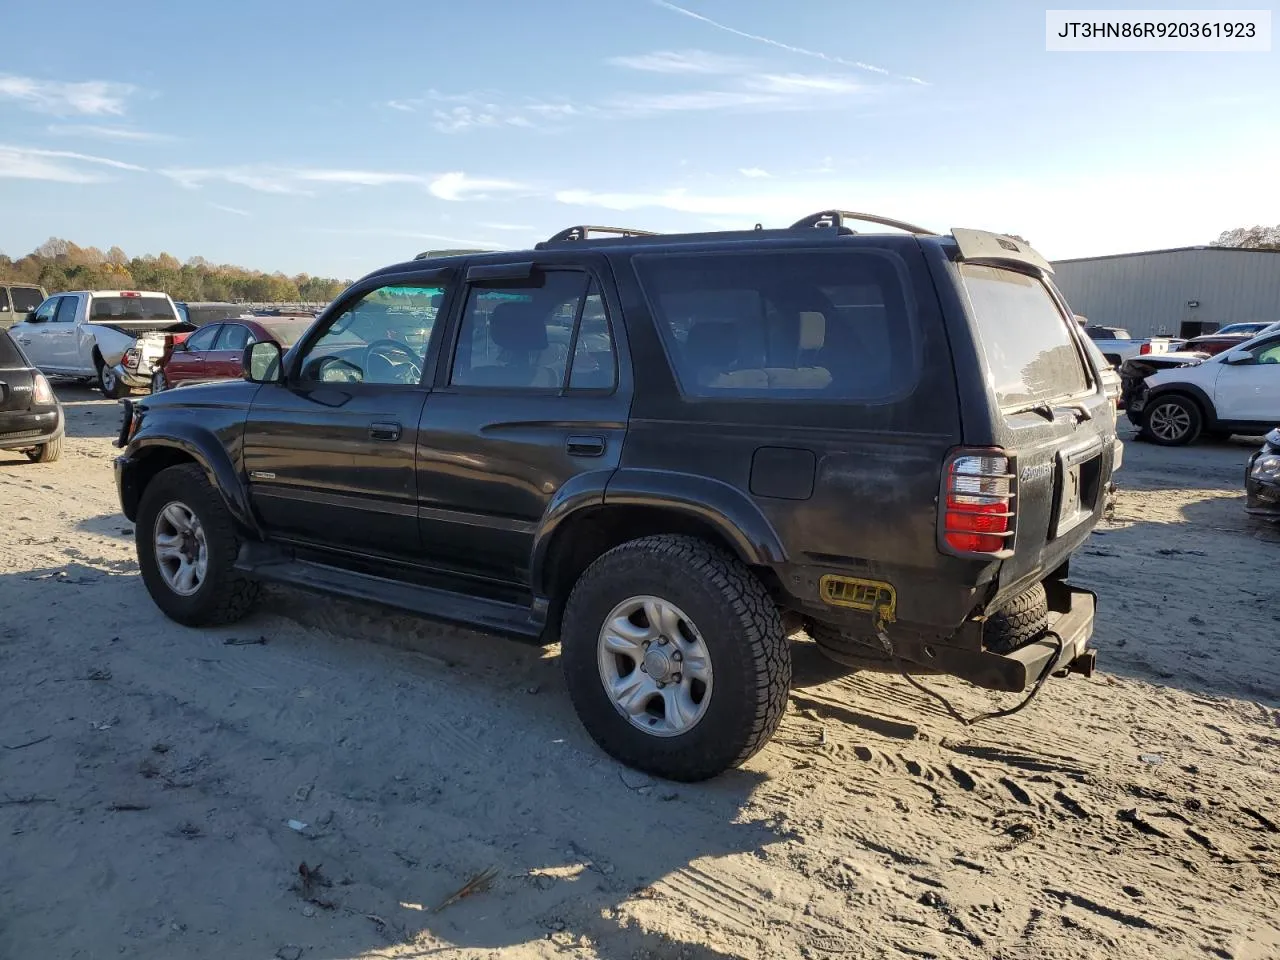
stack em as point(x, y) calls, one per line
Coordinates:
point(1254, 238)
point(60, 265)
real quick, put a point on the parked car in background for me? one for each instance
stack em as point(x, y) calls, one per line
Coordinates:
point(215, 351)
point(87, 333)
point(31, 418)
point(1262, 478)
point(1233, 392)
point(739, 435)
point(1117, 345)
point(1111, 382)
point(1136, 369)
point(17, 300)
point(1231, 336)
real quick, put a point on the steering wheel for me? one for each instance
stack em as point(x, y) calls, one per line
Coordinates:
point(323, 365)
point(372, 350)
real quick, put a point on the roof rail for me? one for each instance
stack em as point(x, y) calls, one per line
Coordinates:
point(827, 219)
point(583, 232)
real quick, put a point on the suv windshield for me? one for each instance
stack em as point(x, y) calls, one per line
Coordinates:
point(117, 309)
point(1245, 328)
point(25, 299)
point(1031, 357)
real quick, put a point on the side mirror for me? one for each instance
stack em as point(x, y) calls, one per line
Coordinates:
point(261, 362)
point(1237, 357)
point(32, 318)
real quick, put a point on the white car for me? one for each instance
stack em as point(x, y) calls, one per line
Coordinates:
point(89, 334)
point(1234, 392)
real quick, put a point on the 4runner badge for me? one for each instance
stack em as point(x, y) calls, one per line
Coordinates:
point(1038, 472)
point(261, 475)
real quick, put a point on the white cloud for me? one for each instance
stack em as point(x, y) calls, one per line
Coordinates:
point(301, 181)
point(795, 84)
point(513, 227)
point(236, 210)
point(460, 186)
point(61, 166)
point(754, 173)
point(815, 54)
point(124, 134)
point(87, 98)
point(681, 62)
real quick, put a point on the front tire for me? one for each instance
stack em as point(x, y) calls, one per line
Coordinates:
point(46, 452)
point(187, 544)
point(675, 657)
point(112, 387)
point(1172, 421)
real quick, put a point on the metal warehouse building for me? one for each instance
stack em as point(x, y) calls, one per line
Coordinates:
point(1185, 291)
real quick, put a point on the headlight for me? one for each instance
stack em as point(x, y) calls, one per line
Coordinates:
point(1265, 468)
point(41, 392)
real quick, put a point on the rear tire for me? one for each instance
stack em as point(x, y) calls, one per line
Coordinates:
point(1172, 421)
point(112, 387)
point(722, 610)
point(46, 452)
point(219, 593)
point(1023, 619)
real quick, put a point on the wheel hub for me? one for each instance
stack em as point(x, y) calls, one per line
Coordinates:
point(658, 664)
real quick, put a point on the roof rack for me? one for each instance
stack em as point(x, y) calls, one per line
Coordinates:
point(828, 219)
point(583, 232)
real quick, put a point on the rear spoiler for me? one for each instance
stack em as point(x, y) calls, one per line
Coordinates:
point(982, 246)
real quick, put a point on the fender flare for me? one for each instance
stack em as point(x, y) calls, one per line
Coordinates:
point(1191, 390)
point(207, 451)
point(718, 505)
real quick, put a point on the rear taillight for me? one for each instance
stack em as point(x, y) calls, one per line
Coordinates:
point(1144, 349)
point(131, 358)
point(41, 392)
point(978, 500)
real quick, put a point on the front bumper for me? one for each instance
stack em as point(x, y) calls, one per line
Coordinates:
point(1262, 497)
point(20, 431)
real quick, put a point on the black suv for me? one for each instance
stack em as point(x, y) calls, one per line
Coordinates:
point(669, 452)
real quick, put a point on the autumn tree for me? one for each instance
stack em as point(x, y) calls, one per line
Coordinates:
point(1254, 238)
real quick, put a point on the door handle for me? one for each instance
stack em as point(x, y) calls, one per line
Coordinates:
point(384, 431)
point(585, 446)
point(25, 341)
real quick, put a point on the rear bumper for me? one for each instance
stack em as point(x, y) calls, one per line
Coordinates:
point(18, 431)
point(138, 379)
point(1071, 617)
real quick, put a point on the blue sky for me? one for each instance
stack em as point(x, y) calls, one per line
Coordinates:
point(332, 138)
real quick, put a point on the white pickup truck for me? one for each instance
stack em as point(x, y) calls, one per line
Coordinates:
point(94, 334)
point(1117, 346)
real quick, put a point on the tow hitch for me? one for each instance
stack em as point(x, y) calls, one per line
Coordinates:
point(1082, 665)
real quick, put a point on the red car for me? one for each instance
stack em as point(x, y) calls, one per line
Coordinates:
point(214, 351)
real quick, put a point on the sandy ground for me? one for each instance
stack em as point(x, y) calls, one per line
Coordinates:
point(148, 772)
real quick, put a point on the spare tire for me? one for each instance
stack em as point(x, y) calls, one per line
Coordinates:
point(1021, 620)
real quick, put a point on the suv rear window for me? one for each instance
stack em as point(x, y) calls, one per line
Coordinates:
point(25, 299)
point(116, 309)
point(785, 325)
point(1031, 356)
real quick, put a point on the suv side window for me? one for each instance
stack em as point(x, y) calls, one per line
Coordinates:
point(4, 299)
point(66, 310)
point(381, 338)
point(786, 325)
point(521, 336)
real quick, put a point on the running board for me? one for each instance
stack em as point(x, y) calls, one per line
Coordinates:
point(433, 602)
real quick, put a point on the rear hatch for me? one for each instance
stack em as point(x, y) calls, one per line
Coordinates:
point(1050, 416)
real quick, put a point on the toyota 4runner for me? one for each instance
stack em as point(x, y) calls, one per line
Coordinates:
point(669, 452)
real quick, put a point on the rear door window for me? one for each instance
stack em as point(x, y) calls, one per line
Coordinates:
point(235, 336)
point(829, 326)
point(10, 355)
point(1030, 353)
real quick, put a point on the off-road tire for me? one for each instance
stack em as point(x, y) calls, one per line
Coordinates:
point(740, 624)
point(1023, 619)
point(1186, 403)
point(46, 452)
point(113, 389)
point(225, 595)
